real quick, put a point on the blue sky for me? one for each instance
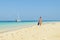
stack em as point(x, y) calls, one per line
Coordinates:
point(30, 9)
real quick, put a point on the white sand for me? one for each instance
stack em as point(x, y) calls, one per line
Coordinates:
point(48, 31)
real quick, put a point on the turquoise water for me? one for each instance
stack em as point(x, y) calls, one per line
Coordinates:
point(10, 24)
point(16, 23)
point(13, 23)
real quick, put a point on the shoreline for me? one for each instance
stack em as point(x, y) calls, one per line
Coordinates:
point(24, 26)
point(14, 28)
point(47, 31)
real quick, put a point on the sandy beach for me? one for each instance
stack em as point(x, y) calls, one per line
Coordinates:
point(48, 31)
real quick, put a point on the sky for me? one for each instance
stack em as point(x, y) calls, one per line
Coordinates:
point(29, 9)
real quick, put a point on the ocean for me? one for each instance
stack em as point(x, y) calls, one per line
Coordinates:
point(4, 25)
point(9, 25)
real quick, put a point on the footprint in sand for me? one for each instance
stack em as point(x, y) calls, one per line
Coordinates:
point(21, 38)
point(1, 38)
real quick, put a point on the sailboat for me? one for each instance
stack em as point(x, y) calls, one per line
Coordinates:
point(18, 19)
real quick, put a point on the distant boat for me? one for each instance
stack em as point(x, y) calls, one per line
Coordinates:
point(18, 19)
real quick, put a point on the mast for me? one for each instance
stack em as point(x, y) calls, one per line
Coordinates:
point(18, 18)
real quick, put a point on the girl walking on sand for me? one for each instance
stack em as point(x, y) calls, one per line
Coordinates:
point(40, 21)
